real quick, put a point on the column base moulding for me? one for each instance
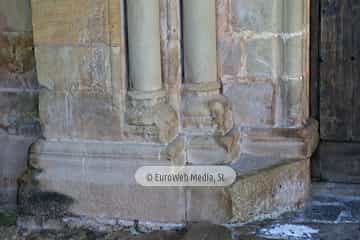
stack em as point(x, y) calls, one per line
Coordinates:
point(152, 109)
point(204, 109)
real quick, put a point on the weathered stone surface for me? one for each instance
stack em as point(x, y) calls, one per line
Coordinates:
point(294, 56)
point(80, 53)
point(170, 30)
point(264, 58)
point(211, 204)
point(273, 191)
point(257, 15)
point(293, 102)
point(18, 109)
point(15, 15)
point(206, 111)
point(281, 142)
point(13, 163)
point(99, 177)
point(17, 62)
point(202, 150)
point(231, 56)
point(75, 69)
point(266, 40)
point(18, 96)
point(175, 151)
point(252, 102)
point(87, 116)
point(77, 22)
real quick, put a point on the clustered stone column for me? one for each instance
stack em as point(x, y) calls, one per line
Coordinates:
point(203, 106)
point(147, 103)
point(206, 115)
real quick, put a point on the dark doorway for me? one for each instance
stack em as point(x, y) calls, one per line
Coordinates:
point(335, 77)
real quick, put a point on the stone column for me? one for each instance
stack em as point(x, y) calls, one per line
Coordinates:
point(147, 102)
point(200, 43)
point(203, 106)
point(206, 114)
point(144, 45)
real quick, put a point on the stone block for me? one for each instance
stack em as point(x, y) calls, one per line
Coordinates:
point(17, 62)
point(87, 116)
point(210, 150)
point(212, 204)
point(15, 15)
point(273, 191)
point(288, 143)
point(252, 102)
point(264, 58)
point(293, 16)
point(231, 56)
point(13, 162)
point(257, 15)
point(75, 69)
point(69, 22)
point(293, 95)
point(18, 109)
point(99, 178)
point(294, 53)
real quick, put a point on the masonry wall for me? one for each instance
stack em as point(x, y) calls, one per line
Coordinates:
point(91, 148)
point(18, 93)
point(263, 60)
point(81, 55)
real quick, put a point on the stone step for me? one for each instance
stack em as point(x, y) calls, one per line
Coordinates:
point(79, 178)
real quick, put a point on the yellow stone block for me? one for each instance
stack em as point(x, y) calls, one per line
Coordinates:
point(77, 22)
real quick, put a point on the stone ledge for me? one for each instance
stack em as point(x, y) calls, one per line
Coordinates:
point(282, 142)
point(97, 180)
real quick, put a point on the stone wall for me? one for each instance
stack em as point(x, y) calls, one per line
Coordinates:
point(98, 128)
point(263, 60)
point(81, 58)
point(18, 93)
point(81, 54)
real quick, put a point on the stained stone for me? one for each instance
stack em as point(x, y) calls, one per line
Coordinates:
point(254, 102)
point(97, 133)
point(18, 109)
point(75, 69)
point(89, 116)
point(15, 15)
point(257, 15)
point(79, 22)
point(264, 58)
point(275, 191)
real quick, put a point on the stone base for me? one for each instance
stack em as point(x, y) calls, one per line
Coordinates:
point(96, 179)
point(205, 110)
point(13, 159)
point(151, 109)
point(281, 142)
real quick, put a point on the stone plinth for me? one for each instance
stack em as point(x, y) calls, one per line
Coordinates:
point(108, 108)
point(96, 178)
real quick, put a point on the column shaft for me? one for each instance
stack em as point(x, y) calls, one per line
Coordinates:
point(199, 27)
point(144, 45)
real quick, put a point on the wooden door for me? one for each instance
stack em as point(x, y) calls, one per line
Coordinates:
point(339, 90)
